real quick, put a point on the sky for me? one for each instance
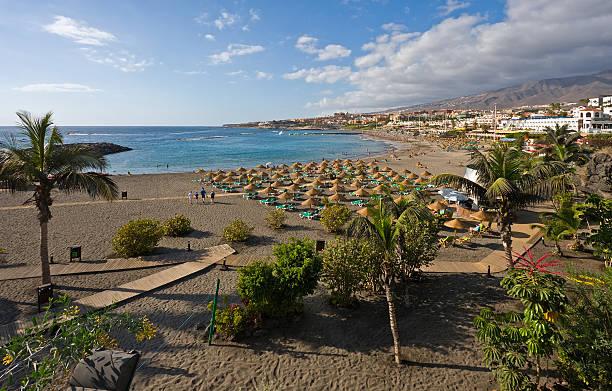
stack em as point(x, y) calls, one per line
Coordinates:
point(133, 62)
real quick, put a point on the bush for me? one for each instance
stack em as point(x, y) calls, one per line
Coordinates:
point(585, 354)
point(334, 217)
point(233, 320)
point(237, 231)
point(178, 225)
point(276, 218)
point(137, 237)
point(346, 268)
point(277, 289)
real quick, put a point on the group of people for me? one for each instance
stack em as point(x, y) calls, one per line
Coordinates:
point(202, 193)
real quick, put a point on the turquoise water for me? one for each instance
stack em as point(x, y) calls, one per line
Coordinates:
point(185, 148)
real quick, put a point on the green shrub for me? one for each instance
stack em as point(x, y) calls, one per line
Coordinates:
point(237, 231)
point(585, 354)
point(233, 320)
point(178, 225)
point(276, 218)
point(346, 268)
point(334, 217)
point(137, 237)
point(278, 288)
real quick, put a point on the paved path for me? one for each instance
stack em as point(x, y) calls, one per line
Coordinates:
point(20, 272)
point(496, 259)
point(133, 289)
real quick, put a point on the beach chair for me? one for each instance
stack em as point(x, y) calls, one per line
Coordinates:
point(446, 241)
point(250, 196)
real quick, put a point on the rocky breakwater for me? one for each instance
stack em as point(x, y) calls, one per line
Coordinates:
point(101, 148)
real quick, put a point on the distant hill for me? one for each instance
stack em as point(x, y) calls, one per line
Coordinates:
point(531, 93)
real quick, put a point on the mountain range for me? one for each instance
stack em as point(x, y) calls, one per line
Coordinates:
point(531, 93)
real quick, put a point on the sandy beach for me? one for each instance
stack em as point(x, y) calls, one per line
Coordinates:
point(326, 349)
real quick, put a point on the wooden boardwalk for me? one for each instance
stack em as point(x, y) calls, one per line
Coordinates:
point(133, 289)
point(496, 259)
point(64, 269)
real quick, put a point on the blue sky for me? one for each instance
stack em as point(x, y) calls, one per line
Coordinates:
point(211, 62)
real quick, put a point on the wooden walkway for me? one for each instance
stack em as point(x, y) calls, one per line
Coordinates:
point(64, 269)
point(133, 289)
point(496, 260)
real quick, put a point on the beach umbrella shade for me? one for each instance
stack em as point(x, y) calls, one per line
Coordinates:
point(276, 176)
point(380, 189)
point(295, 175)
point(337, 188)
point(277, 184)
point(336, 181)
point(397, 178)
point(285, 196)
point(264, 174)
point(426, 173)
point(420, 180)
point(260, 166)
point(241, 169)
point(229, 179)
point(268, 190)
point(361, 192)
point(456, 224)
point(437, 205)
point(386, 168)
point(293, 187)
point(365, 212)
point(399, 199)
point(412, 176)
point(406, 183)
point(296, 165)
point(310, 202)
point(361, 177)
point(406, 171)
point(342, 175)
point(356, 184)
point(252, 171)
point(313, 192)
point(249, 187)
point(200, 171)
point(219, 178)
point(481, 215)
point(299, 181)
point(337, 197)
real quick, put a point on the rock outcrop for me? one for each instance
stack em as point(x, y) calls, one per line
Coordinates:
point(101, 148)
point(598, 177)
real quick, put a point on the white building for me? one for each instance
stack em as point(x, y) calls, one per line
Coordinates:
point(584, 119)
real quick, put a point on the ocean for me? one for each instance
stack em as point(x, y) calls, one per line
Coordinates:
point(158, 149)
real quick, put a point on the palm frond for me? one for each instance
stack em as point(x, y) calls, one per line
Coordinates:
point(460, 183)
point(93, 183)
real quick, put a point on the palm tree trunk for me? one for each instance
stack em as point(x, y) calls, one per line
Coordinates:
point(506, 234)
point(44, 253)
point(393, 322)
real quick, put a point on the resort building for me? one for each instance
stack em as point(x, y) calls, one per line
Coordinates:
point(587, 120)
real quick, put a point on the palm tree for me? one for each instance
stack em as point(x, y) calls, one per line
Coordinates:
point(564, 222)
point(384, 228)
point(507, 179)
point(563, 145)
point(44, 164)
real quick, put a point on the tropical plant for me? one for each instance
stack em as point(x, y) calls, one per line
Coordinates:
point(237, 231)
point(563, 146)
point(137, 237)
point(232, 321)
point(178, 225)
point(384, 229)
point(585, 351)
point(564, 222)
point(347, 266)
point(49, 349)
point(334, 217)
point(599, 211)
point(276, 218)
point(418, 247)
point(506, 179)
point(513, 341)
point(277, 289)
point(45, 163)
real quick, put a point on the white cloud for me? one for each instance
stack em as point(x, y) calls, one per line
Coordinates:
point(246, 28)
point(393, 27)
point(236, 73)
point(190, 73)
point(254, 15)
point(225, 19)
point(452, 6)
point(327, 74)
point(233, 50)
point(260, 75)
point(209, 37)
point(308, 44)
point(469, 54)
point(202, 18)
point(121, 60)
point(56, 87)
point(78, 31)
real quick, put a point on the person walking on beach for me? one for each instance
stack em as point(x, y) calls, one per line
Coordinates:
point(203, 193)
point(190, 197)
point(212, 197)
point(195, 194)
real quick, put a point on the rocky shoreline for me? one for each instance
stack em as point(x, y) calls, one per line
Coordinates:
point(101, 148)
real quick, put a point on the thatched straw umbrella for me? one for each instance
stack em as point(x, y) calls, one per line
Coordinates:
point(386, 168)
point(295, 175)
point(296, 165)
point(342, 175)
point(399, 199)
point(228, 179)
point(337, 197)
point(456, 224)
point(420, 180)
point(267, 191)
point(264, 174)
point(285, 196)
point(249, 187)
point(299, 181)
point(380, 189)
point(200, 171)
point(356, 184)
point(252, 171)
point(241, 169)
point(276, 176)
point(337, 188)
point(406, 183)
point(412, 176)
point(365, 212)
point(277, 184)
point(397, 178)
point(310, 202)
point(406, 171)
point(293, 187)
point(336, 181)
point(361, 192)
point(426, 173)
point(481, 215)
point(260, 166)
point(437, 205)
point(313, 192)
point(361, 177)
point(219, 178)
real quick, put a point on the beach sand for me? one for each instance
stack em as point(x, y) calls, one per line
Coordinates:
point(326, 349)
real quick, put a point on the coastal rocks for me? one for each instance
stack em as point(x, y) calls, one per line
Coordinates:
point(599, 173)
point(101, 148)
